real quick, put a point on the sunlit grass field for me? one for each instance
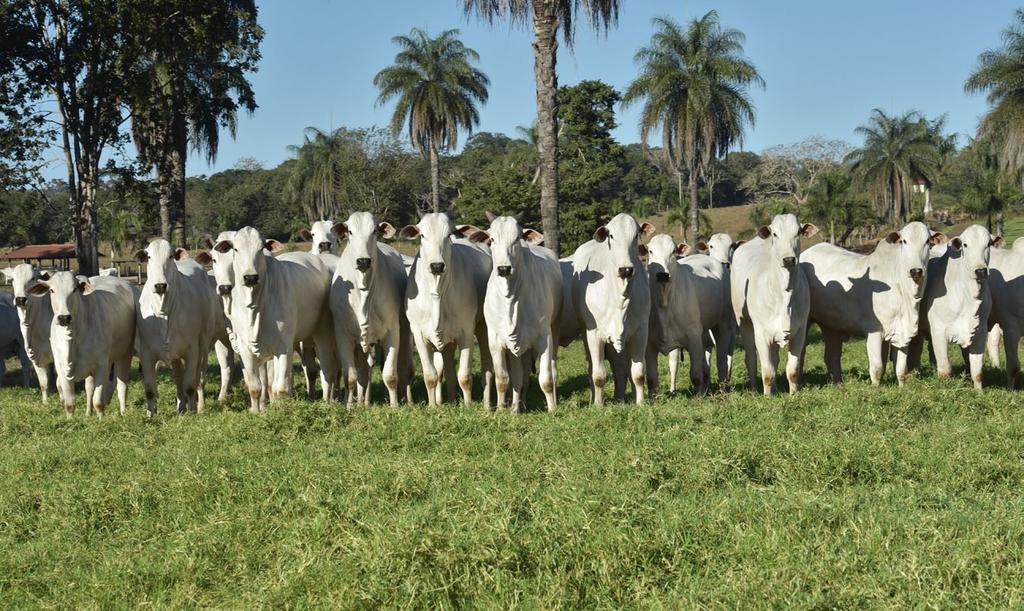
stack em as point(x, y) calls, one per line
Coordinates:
point(846, 496)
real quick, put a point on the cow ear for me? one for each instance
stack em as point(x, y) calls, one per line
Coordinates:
point(956, 244)
point(764, 232)
point(682, 249)
point(203, 258)
point(738, 243)
point(340, 230)
point(532, 236)
point(85, 286)
point(601, 234)
point(937, 238)
point(808, 230)
point(272, 245)
point(223, 246)
point(998, 242)
point(647, 229)
point(518, 217)
point(206, 242)
point(644, 251)
point(893, 237)
point(490, 216)
point(466, 231)
point(180, 253)
point(385, 230)
point(38, 288)
point(479, 236)
point(702, 247)
point(141, 256)
point(409, 232)
point(306, 235)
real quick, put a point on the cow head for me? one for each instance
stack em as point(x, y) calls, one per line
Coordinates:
point(361, 230)
point(621, 236)
point(322, 237)
point(661, 265)
point(161, 273)
point(22, 277)
point(912, 244)
point(506, 239)
point(222, 263)
point(250, 252)
point(973, 247)
point(719, 247)
point(436, 232)
point(66, 292)
point(783, 237)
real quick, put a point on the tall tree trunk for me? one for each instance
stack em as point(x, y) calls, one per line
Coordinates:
point(179, 154)
point(435, 176)
point(163, 189)
point(86, 240)
point(694, 207)
point(545, 54)
point(679, 191)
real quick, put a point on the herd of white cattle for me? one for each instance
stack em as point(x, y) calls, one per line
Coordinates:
point(500, 289)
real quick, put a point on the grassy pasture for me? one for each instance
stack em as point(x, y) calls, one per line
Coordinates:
point(838, 497)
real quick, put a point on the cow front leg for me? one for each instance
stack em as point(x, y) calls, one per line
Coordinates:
point(901, 365)
point(598, 377)
point(225, 358)
point(976, 358)
point(43, 375)
point(501, 375)
point(282, 386)
point(995, 335)
point(876, 356)
point(122, 374)
point(465, 373)
point(653, 383)
point(750, 348)
point(90, 391)
point(66, 390)
point(389, 369)
point(516, 374)
point(178, 369)
point(673, 369)
point(546, 375)
point(795, 359)
point(834, 354)
point(1011, 342)
point(940, 348)
point(767, 362)
point(636, 352)
point(430, 380)
point(486, 367)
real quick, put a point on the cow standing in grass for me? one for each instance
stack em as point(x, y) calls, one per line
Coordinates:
point(1006, 283)
point(34, 316)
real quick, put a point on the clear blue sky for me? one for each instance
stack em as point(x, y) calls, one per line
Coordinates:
point(826, 63)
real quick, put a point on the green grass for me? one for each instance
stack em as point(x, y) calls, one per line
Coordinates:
point(839, 497)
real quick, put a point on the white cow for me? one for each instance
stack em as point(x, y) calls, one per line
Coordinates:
point(367, 298)
point(957, 303)
point(279, 302)
point(110, 271)
point(93, 329)
point(176, 322)
point(1006, 284)
point(34, 316)
point(444, 303)
point(690, 301)
point(12, 343)
point(522, 308)
point(771, 300)
point(323, 239)
point(608, 296)
point(875, 295)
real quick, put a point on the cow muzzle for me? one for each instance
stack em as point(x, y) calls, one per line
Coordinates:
point(626, 272)
point(64, 320)
point(160, 288)
point(21, 301)
point(504, 271)
point(917, 274)
point(437, 268)
point(224, 289)
point(789, 262)
point(324, 247)
point(662, 277)
point(981, 274)
point(363, 264)
point(251, 280)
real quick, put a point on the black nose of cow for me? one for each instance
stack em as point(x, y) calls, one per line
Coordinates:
point(160, 288)
point(626, 272)
point(20, 301)
point(251, 279)
point(363, 264)
point(324, 246)
point(504, 271)
point(661, 277)
point(981, 274)
point(64, 320)
point(916, 274)
point(789, 262)
point(224, 289)
point(437, 268)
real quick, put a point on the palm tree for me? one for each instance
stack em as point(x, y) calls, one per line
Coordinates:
point(547, 17)
point(438, 90)
point(1000, 73)
point(898, 150)
point(694, 85)
point(314, 177)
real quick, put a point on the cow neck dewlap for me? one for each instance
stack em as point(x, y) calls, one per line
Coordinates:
point(905, 291)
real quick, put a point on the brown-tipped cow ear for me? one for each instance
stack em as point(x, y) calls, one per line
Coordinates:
point(647, 229)
point(738, 243)
point(490, 216)
point(141, 256)
point(466, 231)
point(305, 235)
point(180, 253)
point(937, 238)
point(998, 242)
point(644, 251)
point(340, 230)
point(682, 249)
point(38, 288)
point(84, 286)
point(956, 244)
point(702, 247)
point(272, 245)
point(385, 230)
point(203, 258)
point(532, 236)
point(479, 237)
point(601, 234)
point(808, 230)
point(893, 237)
point(223, 246)
point(764, 232)
point(409, 232)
